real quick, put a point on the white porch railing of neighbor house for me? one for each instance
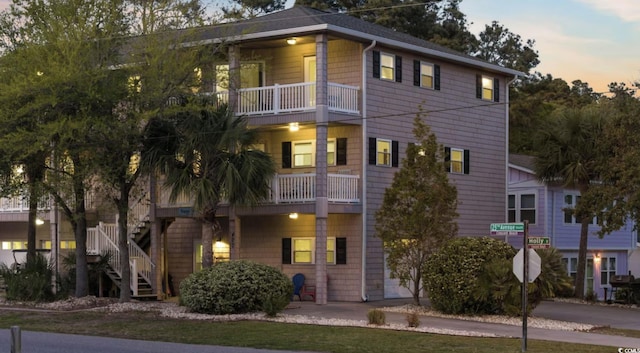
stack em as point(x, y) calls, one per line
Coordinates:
point(292, 98)
point(290, 188)
point(104, 238)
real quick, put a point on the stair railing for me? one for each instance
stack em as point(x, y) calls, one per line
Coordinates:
point(140, 263)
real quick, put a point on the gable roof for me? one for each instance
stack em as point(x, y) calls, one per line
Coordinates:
point(302, 20)
point(522, 162)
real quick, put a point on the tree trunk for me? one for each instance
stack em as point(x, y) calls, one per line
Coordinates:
point(207, 244)
point(82, 269)
point(123, 247)
point(416, 289)
point(31, 226)
point(582, 257)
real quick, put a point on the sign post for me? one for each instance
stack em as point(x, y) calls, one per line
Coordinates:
point(525, 284)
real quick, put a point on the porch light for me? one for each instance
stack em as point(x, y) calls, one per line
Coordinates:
point(596, 258)
point(291, 41)
point(293, 215)
point(39, 222)
point(293, 127)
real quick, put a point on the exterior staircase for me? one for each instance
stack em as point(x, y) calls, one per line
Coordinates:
point(104, 239)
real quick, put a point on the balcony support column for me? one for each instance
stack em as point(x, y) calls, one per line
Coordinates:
point(322, 204)
point(234, 76)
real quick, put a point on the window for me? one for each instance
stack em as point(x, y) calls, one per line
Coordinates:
point(383, 148)
point(570, 202)
point(221, 253)
point(387, 66)
point(571, 264)
point(300, 154)
point(456, 160)
point(426, 75)
point(607, 270)
point(303, 154)
point(251, 75)
point(522, 207)
point(302, 250)
point(14, 245)
point(487, 88)
point(331, 152)
point(383, 152)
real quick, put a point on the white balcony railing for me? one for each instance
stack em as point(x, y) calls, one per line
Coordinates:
point(289, 98)
point(20, 203)
point(291, 188)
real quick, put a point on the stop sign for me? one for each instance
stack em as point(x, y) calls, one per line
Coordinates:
point(534, 265)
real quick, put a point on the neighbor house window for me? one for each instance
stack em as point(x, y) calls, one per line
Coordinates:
point(570, 202)
point(571, 264)
point(303, 250)
point(487, 88)
point(522, 207)
point(607, 270)
point(457, 160)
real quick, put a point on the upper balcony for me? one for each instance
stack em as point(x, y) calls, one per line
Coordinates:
point(291, 98)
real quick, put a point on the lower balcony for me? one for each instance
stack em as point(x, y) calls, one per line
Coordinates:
point(292, 188)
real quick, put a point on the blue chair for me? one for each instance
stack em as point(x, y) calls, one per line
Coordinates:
point(302, 290)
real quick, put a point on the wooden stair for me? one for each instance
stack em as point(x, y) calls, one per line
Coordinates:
point(145, 291)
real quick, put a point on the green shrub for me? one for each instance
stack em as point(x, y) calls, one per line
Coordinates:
point(453, 277)
point(30, 283)
point(376, 317)
point(413, 319)
point(236, 287)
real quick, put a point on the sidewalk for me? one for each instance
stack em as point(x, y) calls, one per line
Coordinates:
point(358, 311)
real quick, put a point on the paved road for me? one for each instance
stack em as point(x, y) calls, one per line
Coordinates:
point(601, 315)
point(41, 342)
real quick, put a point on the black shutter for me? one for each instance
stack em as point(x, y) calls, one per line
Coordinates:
point(286, 250)
point(341, 151)
point(341, 251)
point(376, 64)
point(398, 68)
point(286, 154)
point(479, 86)
point(436, 77)
point(447, 159)
point(394, 153)
point(416, 73)
point(496, 90)
point(372, 150)
point(466, 161)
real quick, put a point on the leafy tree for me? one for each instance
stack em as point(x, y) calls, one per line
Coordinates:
point(243, 9)
point(499, 46)
point(206, 152)
point(160, 71)
point(567, 154)
point(418, 210)
point(617, 196)
point(56, 56)
point(534, 98)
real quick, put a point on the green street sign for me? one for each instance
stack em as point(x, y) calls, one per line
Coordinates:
point(507, 229)
point(538, 242)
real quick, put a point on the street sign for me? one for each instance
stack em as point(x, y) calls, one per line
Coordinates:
point(538, 242)
point(534, 265)
point(507, 228)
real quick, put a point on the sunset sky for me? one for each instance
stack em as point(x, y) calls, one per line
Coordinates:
point(597, 41)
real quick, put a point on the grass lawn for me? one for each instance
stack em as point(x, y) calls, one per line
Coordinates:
point(150, 326)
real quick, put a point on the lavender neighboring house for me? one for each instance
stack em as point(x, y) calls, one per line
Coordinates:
point(548, 210)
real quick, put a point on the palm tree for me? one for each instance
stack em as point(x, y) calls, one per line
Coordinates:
point(206, 152)
point(567, 154)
